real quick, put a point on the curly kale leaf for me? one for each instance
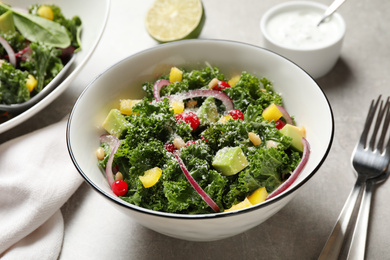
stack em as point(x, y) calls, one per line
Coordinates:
point(252, 90)
point(153, 121)
point(44, 64)
point(15, 39)
point(13, 85)
point(182, 197)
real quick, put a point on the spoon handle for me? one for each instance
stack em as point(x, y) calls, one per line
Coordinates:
point(332, 248)
point(331, 9)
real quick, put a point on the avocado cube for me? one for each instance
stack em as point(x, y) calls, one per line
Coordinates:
point(296, 133)
point(230, 160)
point(7, 22)
point(115, 123)
point(208, 111)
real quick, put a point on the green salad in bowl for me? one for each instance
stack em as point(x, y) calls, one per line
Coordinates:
point(201, 143)
point(35, 45)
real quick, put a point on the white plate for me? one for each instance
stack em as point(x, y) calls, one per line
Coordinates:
point(94, 16)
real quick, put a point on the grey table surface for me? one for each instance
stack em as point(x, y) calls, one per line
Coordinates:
point(94, 230)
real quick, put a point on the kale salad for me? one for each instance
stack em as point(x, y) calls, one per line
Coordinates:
point(200, 142)
point(35, 44)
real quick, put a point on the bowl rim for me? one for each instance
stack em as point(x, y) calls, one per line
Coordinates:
point(139, 209)
point(285, 7)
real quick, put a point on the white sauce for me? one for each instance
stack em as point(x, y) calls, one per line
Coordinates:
point(298, 29)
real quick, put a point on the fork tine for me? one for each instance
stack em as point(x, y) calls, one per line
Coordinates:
point(378, 122)
point(369, 118)
point(385, 127)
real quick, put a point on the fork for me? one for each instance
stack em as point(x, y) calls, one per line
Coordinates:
point(369, 161)
point(358, 245)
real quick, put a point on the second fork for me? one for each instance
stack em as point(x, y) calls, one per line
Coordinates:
point(369, 161)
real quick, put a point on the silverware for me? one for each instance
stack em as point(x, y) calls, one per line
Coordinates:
point(357, 248)
point(19, 108)
point(330, 10)
point(369, 160)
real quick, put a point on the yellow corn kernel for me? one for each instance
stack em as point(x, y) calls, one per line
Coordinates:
point(175, 75)
point(233, 81)
point(272, 113)
point(31, 83)
point(243, 204)
point(258, 196)
point(46, 12)
point(254, 138)
point(126, 105)
point(225, 118)
point(151, 177)
point(177, 106)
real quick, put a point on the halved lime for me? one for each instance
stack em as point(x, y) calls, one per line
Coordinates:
point(172, 20)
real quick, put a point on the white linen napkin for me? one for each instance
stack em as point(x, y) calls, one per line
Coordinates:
point(36, 178)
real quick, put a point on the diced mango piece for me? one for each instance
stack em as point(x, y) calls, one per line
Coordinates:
point(175, 75)
point(31, 82)
point(272, 113)
point(258, 196)
point(225, 118)
point(46, 12)
point(151, 177)
point(177, 106)
point(243, 204)
point(254, 138)
point(126, 105)
point(233, 81)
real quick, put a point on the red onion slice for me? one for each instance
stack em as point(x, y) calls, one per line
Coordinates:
point(114, 143)
point(194, 184)
point(9, 50)
point(206, 93)
point(296, 172)
point(285, 114)
point(157, 88)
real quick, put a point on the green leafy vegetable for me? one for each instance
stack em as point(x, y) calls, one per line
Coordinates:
point(13, 85)
point(154, 125)
point(38, 29)
point(44, 64)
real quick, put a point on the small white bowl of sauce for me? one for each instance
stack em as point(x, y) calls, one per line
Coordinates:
point(290, 29)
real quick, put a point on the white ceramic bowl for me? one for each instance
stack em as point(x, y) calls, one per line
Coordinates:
point(303, 98)
point(291, 30)
point(92, 30)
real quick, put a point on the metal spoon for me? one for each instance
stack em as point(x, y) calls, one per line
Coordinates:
point(19, 108)
point(330, 10)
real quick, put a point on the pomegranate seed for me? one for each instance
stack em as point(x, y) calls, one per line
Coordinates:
point(190, 143)
point(280, 124)
point(169, 147)
point(188, 117)
point(236, 114)
point(221, 85)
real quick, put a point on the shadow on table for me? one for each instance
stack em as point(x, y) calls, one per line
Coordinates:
point(337, 77)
